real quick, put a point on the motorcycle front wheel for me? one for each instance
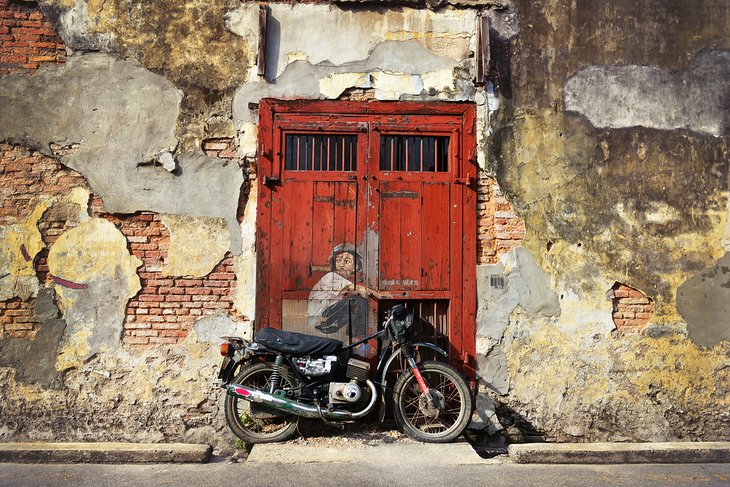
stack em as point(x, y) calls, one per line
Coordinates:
point(446, 418)
point(255, 423)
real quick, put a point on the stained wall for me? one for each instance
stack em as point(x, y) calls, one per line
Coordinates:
point(128, 156)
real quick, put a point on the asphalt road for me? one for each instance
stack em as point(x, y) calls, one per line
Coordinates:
point(221, 473)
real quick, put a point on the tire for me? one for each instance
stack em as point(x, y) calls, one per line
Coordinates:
point(448, 419)
point(255, 423)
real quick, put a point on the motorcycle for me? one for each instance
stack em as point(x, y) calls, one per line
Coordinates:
point(284, 376)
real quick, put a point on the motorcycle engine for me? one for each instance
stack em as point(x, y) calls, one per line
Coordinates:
point(315, 367)
point(345, 392)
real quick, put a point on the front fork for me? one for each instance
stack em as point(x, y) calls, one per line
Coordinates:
point(408, 351)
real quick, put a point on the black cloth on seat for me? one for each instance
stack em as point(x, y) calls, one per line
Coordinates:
point(296, 343)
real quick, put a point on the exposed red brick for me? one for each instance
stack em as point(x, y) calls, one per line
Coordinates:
point(499, 229)
point(27, 39)
point(17, 318)
point(632, 309)
point(168, 304)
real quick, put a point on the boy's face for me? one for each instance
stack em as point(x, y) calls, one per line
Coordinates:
point(345, 264)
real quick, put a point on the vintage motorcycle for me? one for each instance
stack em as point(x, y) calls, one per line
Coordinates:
point(284, 376)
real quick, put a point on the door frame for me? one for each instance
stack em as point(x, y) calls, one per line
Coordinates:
point(462, 332)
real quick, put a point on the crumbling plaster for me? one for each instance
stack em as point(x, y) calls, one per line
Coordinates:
point(121, 119)
point(636, 193)
point(20, 245)
point(148, 396)
point(693, 98)
point(616, 185)
point(319, 51)
point(196, 245)
point(93, 255)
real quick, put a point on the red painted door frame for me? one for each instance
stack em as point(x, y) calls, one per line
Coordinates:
point(371, 119)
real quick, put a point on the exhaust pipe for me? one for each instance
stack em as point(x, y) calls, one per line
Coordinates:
point(291, 406)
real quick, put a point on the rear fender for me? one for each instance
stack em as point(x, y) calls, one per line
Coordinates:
point(244, 353)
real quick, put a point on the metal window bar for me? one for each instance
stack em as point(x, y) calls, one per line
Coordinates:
point(414, 153)
point(332, 152)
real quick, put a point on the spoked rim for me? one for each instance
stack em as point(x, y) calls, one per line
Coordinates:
point(260, 420)
point(450, 405)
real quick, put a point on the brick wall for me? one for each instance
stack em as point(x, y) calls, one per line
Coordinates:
point(499, 229)
point(166, 307)
point(17, 318)
point(27, 39)
point(632, 309)
point(27, 177)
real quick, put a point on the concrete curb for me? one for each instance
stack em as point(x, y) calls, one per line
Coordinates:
point(613, 453)
point(104, 453)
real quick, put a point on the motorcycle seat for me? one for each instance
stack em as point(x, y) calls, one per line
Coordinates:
point(297, 343)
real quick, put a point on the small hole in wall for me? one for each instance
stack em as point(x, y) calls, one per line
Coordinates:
point(580, 244)
point(549, 245)
point(561, 296)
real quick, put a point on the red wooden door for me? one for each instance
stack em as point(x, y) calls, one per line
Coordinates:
point(362, 206)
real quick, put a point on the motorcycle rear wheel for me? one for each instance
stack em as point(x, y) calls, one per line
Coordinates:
point(447, 419)
point(255, 423)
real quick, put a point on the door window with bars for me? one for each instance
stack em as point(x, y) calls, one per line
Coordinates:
point(310, 152)
point(414, 153)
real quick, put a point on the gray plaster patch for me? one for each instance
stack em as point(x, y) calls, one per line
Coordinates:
point(301, 78)
point(495, 301)
point(695, 98)
point(485, 416)
point(123, 118)
point(212, 328)
point(92, 328)
point(493, 370)
point(518, 281)
point(327, 35)
point(502, 288)
point(703, 300)
point(533, 285)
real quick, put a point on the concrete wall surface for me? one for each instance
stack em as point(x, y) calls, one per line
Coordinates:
point(128, 145)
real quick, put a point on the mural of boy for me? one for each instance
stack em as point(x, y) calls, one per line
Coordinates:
point(337, 300)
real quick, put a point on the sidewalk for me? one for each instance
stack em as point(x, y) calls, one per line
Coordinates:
point(459, 453)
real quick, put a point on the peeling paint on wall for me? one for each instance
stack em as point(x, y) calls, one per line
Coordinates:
point(244, 299)
point(123, 119)
point(327, 35)
point(635, 390)
point(20, 244)
point(626, 96)
point(393, 69)
point(95, 254)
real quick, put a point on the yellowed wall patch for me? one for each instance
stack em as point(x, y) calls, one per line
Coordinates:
point(19, 277)
point(625, 388)
point(197, 244)
point(93, 255)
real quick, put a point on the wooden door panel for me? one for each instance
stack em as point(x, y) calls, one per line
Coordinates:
point(297, 233)
point(317, 217)
point(410, 221)
point(345, 210)
point(400, 236)
point(435, 236)
point(323, 225)
point(414, 236)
